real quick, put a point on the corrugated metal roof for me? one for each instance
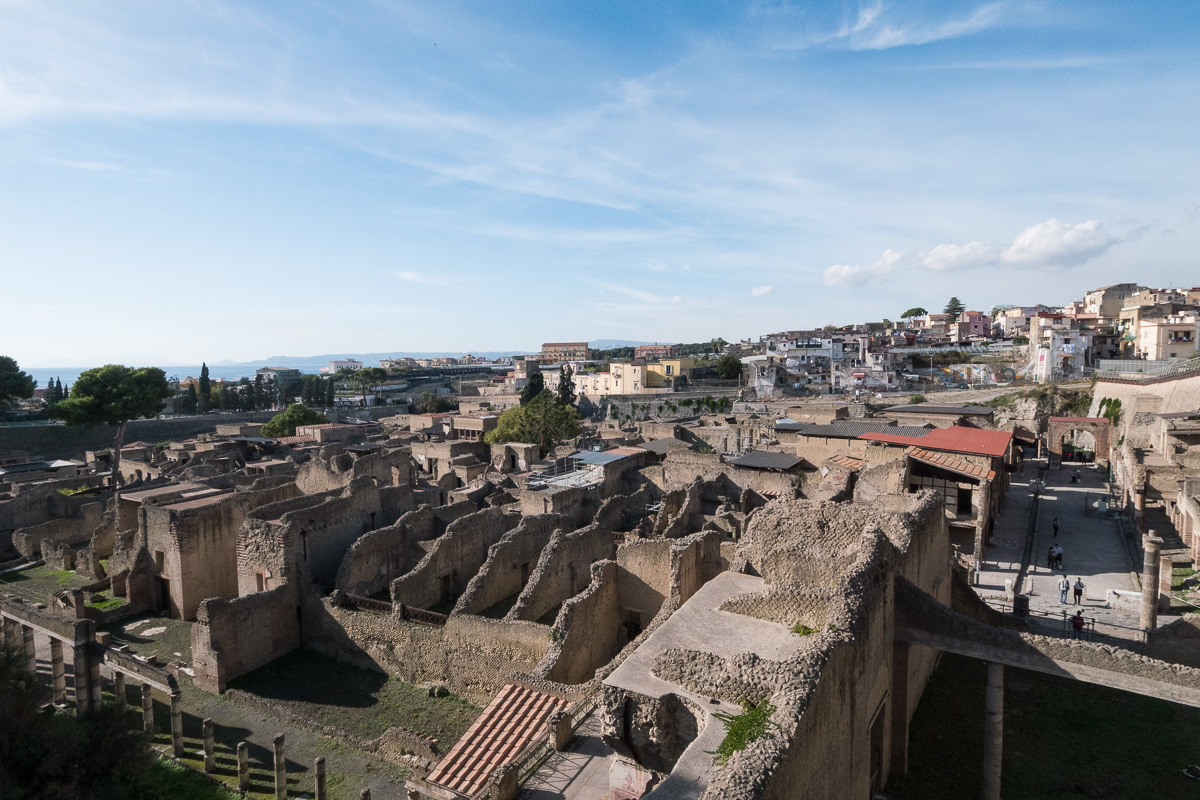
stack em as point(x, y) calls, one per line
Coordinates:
point(663, 446)
point(597, 457)
point(852, 429)
point(765, 459)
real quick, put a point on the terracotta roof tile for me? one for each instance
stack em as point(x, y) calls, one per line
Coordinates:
point(952, 463)
point(514, 718)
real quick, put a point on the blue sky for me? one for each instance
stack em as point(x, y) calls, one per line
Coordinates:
point(210, 180)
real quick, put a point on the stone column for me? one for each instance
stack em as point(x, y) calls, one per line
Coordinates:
point(147, 708)
point(243, 755)
point(280, 769)
point(319, 772)
point(94, 684)
point(177, 723)
point(210, 756)
point(899, 764)
point(58, 672)
point(560, 731)
point(30, 650)
point(1166, 570)
point(82, 675)
point(119, 690)
point(993, 732)
point(1151, 545)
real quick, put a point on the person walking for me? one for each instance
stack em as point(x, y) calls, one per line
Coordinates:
point(1058, 554)
point(1050, 558)
point(1063, 586)
point(1077, 625)
point(1079, 587)
point(1055, 526)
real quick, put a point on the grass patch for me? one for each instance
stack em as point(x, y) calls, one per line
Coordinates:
point(358, 701)
point(180, 783)
point(802, 629)
point(102, 602)
point(741, 729)
point(917, 399)
point(40, 584)
point(1062, 739)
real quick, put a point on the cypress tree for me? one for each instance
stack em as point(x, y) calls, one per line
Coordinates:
point(204, 389)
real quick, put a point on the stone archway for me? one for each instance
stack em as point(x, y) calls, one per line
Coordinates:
point(1076, 432)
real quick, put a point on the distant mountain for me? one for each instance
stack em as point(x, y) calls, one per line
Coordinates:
point(609, 344)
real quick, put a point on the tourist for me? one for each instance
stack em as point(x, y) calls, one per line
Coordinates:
point(1077, 625)
point(1055, 526)
point(1079, 587)
point(1050, 558)
point(1063, 586)
point(1058, 554)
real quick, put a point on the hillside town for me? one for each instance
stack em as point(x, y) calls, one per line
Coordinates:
point(720, 569)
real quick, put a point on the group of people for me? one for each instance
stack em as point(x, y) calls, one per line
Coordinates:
point(1076, 477)
point(1054, 556)
point(1064, 586)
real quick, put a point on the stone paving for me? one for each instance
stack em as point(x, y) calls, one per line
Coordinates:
point(1093, 548)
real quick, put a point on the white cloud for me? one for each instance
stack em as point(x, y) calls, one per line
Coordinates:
point(856, 275)
point(416, 277)
point(759, 291)
point(1058, 244)
point(868, 36)
point(962, 256)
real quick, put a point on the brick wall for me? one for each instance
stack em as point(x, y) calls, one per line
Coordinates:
point(233, 637)
point(563, 569)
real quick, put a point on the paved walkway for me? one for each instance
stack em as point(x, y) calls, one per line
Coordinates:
point(1093, 547)
point(579, 772)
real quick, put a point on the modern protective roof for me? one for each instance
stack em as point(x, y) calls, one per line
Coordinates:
point(952, 463)
point(765, 459)
point(514, 718)
point(604, 456)
point(954, 439)
point(929, 408)
point(663, 446)
point(34, 466)
point(852, 429)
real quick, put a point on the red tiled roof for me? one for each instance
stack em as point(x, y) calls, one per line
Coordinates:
point(294, 439)
point(512, 720)
point(954, 439)
point(946, 461)
point(845, 461)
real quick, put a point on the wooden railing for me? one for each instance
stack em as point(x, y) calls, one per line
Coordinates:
point(421, 615)
point(368, 604)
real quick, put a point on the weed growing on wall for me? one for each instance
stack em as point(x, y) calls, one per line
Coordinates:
point(740, 729)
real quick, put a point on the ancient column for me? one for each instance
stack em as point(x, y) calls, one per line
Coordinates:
point(177, 723)
point(210, 756)
point(81, 671)
point(560, 730)
point(319, 772)
point(1166, 570)
point(119, 690)
point(243, 755)
point(1151, 545)
point(58, 672)
point(147, 708)
point(30, 650)
point(280, 769)
point(94, 684)
point(993, 732)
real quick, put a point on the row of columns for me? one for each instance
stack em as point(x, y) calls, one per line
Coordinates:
point(86, 687)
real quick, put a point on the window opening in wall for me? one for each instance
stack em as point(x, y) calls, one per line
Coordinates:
point(260, 582)
point(160, 559)
point(447, 587)
point(964, 501)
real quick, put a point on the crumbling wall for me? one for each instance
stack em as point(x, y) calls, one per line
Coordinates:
point(336, 469)
point(681, 512)
point(198, 550)
point(470, 655)
point(563, 570)
point(588, 631)
point(645, 575)
point(379, 557)
point(580, 503)
point(36, 505)
point(694, 562)
point(510, 563)
point(64, 531)
point(622, 512)
point(265, 557)
point(233, 637)
point(454, 559)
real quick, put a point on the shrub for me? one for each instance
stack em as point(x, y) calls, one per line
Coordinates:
point(753, 723)
point(802, 629)
point(916, 399)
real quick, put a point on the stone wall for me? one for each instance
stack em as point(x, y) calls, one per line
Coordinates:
point(62, 531)
point(588, 631)
point(455, 557)
point(694, 562)
point(469, 655)
point(233, 637)
point(197, 548)
point(578, 503)
point(36, 505)
point(645, 576)
point(562, 570)
point(1177, 642)
point(510, 563)
point(1178, 394)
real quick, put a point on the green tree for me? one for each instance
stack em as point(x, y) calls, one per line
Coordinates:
point(260, 393)
point(534, 388)
point(953, 310)
point(14, 384)
point(285, 422)
point(204, 390)
point(366, 379)
point(729, 367)
point(113, 395)
point(566, 385)
point(330, 392)
point(542, 421)
point(190, 399)
point(915, 311)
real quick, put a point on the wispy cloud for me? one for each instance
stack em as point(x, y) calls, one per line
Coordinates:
point(409, 276)
point(629, 291)
point(881, 35)
point(760, 291)
point(859, 275)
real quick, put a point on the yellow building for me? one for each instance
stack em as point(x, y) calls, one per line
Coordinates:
point(664, 371)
